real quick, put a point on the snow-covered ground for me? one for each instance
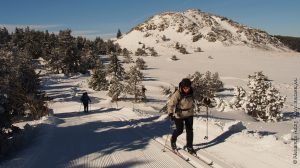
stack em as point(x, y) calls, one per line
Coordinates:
point(132, 135)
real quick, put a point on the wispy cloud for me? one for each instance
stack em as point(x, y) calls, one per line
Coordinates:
point(12, 27)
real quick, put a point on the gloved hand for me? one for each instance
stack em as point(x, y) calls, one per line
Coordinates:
point(206, 101)
point(171, 116)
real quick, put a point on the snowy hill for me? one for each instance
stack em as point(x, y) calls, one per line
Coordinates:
point(193, 29)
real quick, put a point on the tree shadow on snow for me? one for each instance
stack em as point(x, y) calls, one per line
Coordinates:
point(82, 113)
point(150, 79)
point(214, 117)
point(290, 115)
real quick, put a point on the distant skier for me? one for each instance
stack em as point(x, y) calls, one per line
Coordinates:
point(85, 99)
point(144, 93)
point(181, 111)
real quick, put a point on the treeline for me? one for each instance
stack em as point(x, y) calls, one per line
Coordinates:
point(62, 52)
point(292, 42)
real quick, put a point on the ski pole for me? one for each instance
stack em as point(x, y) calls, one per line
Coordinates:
point(80, 108)
point(164, 149)
point(206, 137)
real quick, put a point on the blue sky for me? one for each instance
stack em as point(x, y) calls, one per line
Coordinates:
point(103, 18)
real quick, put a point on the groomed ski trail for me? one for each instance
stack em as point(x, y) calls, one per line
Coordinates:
point(100, 140)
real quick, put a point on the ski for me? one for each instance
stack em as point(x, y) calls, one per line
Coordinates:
point(175, 151)
point(180, 155)
point(210, 162)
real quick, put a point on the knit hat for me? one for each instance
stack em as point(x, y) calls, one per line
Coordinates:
point(185, 82)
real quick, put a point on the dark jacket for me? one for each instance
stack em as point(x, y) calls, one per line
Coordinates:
point(85, 99)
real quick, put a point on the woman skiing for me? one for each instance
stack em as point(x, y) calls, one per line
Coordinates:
point(181, 111)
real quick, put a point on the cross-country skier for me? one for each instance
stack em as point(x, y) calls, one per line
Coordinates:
point(85, 99)
point(181, 111)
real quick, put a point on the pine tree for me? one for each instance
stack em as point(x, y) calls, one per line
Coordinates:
point(239, 99)
point(125, 52)
point(119, 34)
point(4, 37)
point(177, 46)
point(127, 57)
point(99, 46)
point(20, 86)
point(50, 45)
point(115, 68)
point(18, 38)
point(205, 85)
point(264, 101)
point(133, 86)
point(88, 57)
point(115, 89)
point(98, 80)
point(140, 52)
point(174, 58)
point(110, 47)
point(68, 52)
point(153, 52)
point(141, 64)
point(183, 50)
point(55, 61)
point(198, 49)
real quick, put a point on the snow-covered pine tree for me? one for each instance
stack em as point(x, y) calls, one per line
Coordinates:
point(125, 52)
point(174, 58)
point(153, 52)
point(164, 38)
point(183, 50)
point(115, 68)
point(88, 57)
point(98, 80)
point(198, 49)
point(133, 87)
point(177, 46)
point(166, 91)
point(126, 55)
point(239, 99)
point(140, 52)
point(127, 59)
point(115, 89)
point(204, 85)
point(68, 52)
point(141, 64)
point(264, 101)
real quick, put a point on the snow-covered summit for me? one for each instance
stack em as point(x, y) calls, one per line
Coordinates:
point(193, 29)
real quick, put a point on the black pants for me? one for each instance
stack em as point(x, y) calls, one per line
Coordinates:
point(86, 107)
point(179, 129)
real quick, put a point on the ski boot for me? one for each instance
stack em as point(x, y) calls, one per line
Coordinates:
point(191, 150)
point(173, 146)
